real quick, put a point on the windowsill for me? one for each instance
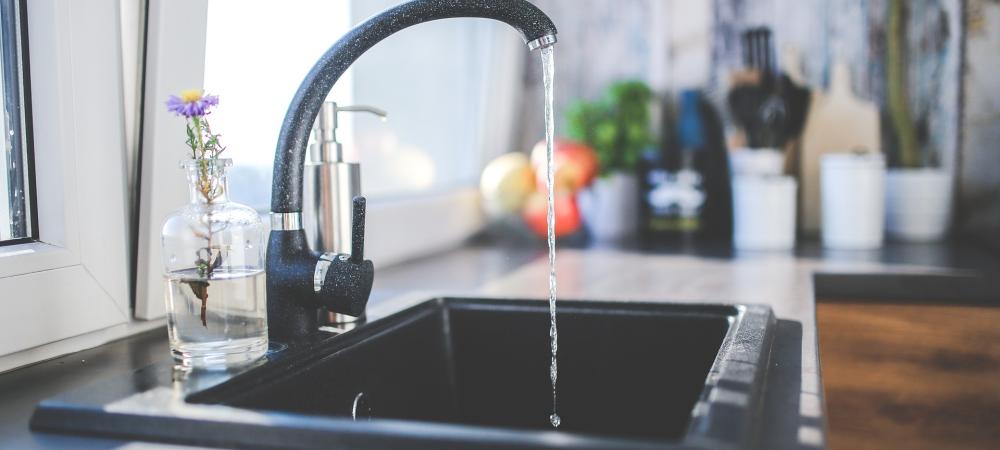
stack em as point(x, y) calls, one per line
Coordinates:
point(16, 250)
point(31, 257)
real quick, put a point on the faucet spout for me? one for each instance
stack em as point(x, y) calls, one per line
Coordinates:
point(300, 280)
point(535, 27)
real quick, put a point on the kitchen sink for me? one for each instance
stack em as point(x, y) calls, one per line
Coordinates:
point(459, 373)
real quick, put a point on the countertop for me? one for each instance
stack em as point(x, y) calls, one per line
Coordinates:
point(788, 282)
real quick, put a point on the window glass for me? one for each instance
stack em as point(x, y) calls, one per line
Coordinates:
point(430, 78)
point(256, 54)
point(15, 187)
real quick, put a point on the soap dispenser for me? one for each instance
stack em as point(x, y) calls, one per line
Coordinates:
point(330, 186)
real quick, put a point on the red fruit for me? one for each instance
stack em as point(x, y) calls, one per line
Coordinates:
point(567, 214)
point(576, 164)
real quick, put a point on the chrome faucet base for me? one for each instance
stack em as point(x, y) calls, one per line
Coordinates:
point(286, 221)
point(343, 321)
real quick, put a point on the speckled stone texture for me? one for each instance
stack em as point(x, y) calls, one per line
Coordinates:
point(290, 154)
point(292, 302)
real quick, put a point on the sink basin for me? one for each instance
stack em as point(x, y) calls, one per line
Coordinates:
point(462, 372)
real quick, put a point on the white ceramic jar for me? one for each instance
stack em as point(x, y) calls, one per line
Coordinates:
point(610, 207)
point(764, 212)
point(918, 204)
point(853, 202)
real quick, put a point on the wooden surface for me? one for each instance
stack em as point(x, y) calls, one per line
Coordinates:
point(910, 376)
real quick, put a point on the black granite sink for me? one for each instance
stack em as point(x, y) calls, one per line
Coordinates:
point(466, 372)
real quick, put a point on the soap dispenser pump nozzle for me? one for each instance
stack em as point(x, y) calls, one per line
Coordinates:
point(328, 148)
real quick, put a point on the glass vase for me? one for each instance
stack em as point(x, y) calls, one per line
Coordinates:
point(213, 254)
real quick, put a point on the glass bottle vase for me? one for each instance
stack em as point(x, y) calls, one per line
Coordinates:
point(213, 255)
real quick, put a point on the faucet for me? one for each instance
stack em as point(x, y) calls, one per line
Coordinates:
point(300, 280)
point(331, 184)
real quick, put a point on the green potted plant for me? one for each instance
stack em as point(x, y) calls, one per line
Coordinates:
point(618, 128)
point(918, 191)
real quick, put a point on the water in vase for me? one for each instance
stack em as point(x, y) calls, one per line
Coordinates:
point(217, 322)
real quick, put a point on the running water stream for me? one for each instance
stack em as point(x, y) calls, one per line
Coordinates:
point(548, 72)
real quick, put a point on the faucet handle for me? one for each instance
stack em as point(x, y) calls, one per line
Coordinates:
point(344, 283)
point(358, 229)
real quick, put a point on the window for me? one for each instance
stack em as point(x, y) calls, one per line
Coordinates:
point(16, 212)
point(67, 287)
point(436, 108)
point(256, 74)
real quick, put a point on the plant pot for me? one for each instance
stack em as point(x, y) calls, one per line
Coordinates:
point(610, 206)
point(764, 212)
point(852, 203)
point(918, 204)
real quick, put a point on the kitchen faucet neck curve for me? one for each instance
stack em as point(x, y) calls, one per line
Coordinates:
point(535, 28)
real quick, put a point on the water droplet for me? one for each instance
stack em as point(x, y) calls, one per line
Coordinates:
point(555, 420)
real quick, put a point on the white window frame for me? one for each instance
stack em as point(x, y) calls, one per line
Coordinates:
point(397, 229)
point(70, 289)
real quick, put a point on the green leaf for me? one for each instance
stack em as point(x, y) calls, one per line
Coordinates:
point(616, 127)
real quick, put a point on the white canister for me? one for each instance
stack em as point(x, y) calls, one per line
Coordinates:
point(918, 204)
point(852, 200)
point(757, 161)
point(610, 206)
point(764, 212)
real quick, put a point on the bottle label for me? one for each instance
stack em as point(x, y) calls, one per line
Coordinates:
point(675, 199)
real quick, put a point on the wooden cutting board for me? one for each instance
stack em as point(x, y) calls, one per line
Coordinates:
point(837, 121)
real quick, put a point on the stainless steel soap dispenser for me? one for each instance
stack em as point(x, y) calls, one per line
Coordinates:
point(330, 186)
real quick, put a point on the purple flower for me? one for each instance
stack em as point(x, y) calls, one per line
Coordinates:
point(191, 103)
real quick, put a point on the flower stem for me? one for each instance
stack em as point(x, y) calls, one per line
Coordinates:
point(197, 129)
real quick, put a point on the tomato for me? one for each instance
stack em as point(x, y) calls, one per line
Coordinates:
point(576, 165)
point(567, 214)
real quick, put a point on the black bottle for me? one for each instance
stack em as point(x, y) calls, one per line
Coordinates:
point(685, 186)
point(713, 163)
point(653, 168)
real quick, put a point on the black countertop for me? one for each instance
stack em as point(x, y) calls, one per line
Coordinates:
point(957, 271)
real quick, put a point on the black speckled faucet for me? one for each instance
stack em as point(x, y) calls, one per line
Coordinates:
point(300, 280)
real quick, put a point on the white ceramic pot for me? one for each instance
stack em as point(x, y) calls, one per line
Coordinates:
point(918, 204)
point(852, 202)
point(764, 212)
point(610, 207)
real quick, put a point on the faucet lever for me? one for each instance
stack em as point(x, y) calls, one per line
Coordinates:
point(358, 230)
